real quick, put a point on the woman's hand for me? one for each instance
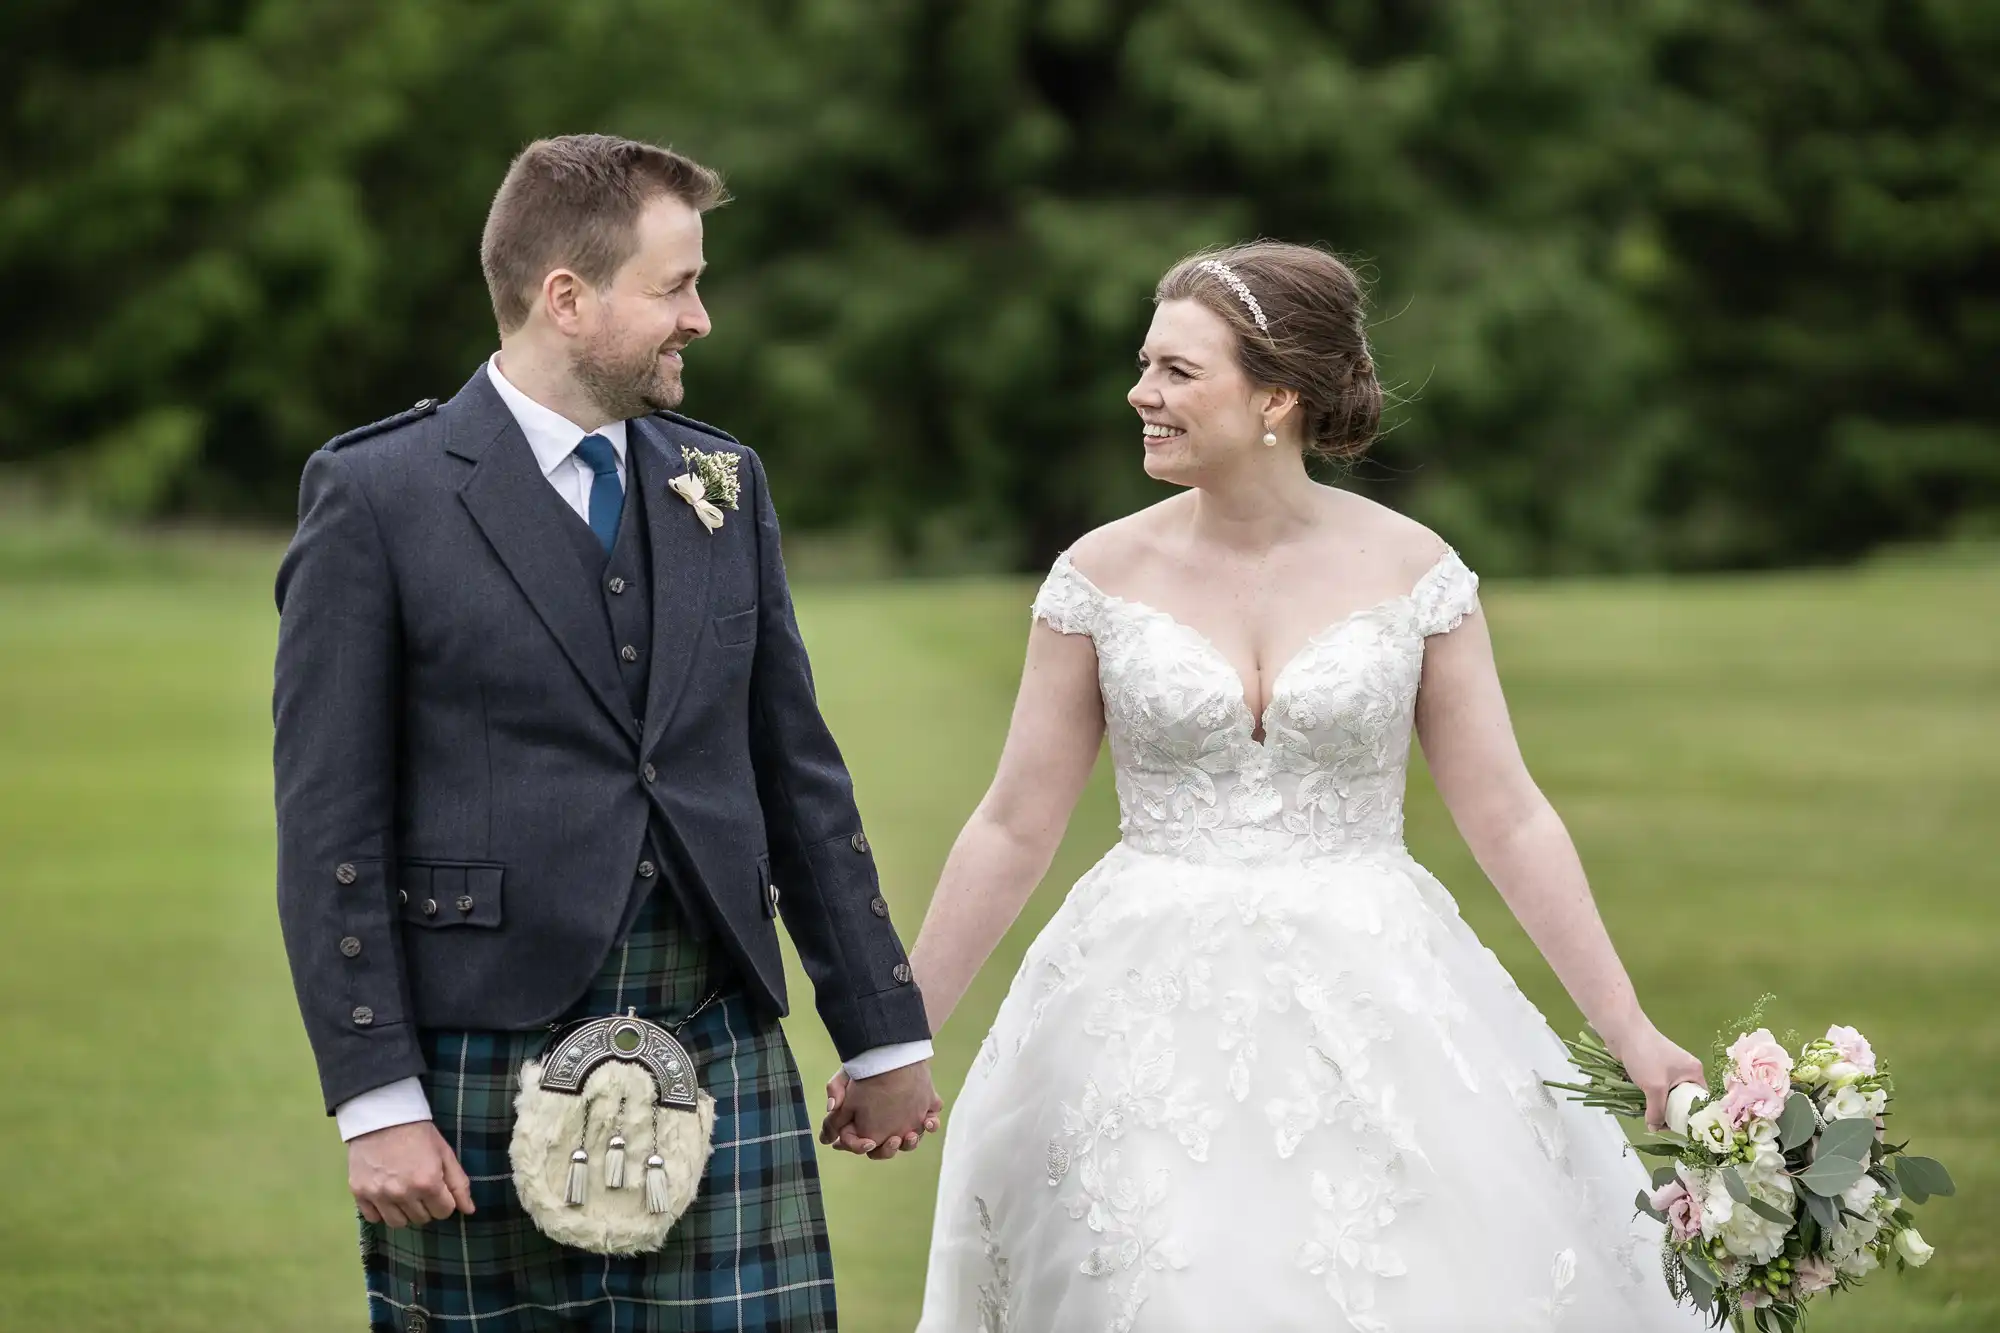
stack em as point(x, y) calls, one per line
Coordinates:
point(1657, 1066)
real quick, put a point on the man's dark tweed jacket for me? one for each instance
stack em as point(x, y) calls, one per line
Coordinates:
point(453, 735)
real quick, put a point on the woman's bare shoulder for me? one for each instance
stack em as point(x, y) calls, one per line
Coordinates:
point(1109, 553)
point(1407, 549)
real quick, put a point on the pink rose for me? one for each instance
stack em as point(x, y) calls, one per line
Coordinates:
point(1814, 1274)
point(1853, 1048)
point(1757, 1299)
point(1759, 1059)
point(1682, 1209)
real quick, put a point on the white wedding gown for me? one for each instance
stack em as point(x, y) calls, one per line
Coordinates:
point(1256, 1073)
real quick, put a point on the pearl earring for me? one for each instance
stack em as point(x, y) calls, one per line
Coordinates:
point(1270, 440)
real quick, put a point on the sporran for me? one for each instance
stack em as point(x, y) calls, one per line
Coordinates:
point(612, 1133)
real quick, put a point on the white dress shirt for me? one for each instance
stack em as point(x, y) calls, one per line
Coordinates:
point(554, 438)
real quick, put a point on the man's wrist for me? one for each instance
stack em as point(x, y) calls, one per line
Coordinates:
point(400, 1103)
point(882, 1059)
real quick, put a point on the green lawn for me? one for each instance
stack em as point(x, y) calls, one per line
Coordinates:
point(1800, 762)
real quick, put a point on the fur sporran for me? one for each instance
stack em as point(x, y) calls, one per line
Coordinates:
point(611, 1135)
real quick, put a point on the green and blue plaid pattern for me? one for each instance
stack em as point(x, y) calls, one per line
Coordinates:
point(751, 1254)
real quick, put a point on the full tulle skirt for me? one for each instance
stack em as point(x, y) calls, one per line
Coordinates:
point(1295, 1095)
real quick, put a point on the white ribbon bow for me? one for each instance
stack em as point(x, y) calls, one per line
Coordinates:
point(689, 487)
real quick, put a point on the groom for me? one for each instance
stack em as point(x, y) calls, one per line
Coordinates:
point(547, 748)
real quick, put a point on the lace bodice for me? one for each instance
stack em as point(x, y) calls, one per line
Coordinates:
point(1328, 777)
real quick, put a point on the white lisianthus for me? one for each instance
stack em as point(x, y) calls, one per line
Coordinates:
point(1910, 1244)
point(1860, 1195)
point(1711, 1131)
point(1716, 1205)
point(1878, 1101)
point(1841, 1073)
point(1764, 1134)
point(1861, 1263)
point(1765, 1173)
point(1850, 1248)
point(1849, 1103)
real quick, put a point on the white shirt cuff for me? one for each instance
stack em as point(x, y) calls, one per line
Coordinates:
point(399, 1103)
point(882, 1059)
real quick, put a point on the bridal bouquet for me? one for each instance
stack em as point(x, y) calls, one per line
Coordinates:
point(1783, 1187)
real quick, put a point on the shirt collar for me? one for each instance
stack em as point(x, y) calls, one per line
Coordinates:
point(551, 435)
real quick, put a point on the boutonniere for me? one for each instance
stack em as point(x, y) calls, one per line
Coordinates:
point(708, 475)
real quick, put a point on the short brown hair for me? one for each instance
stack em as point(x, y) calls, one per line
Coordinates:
point(1314, 339)
point(574, 202)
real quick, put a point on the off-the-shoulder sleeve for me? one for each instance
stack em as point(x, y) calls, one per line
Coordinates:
point(1445, 596)
point(1068, 602)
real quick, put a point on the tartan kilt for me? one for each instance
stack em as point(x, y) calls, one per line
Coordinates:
point(749, 1255)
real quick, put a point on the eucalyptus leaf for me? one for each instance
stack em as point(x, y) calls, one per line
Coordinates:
point(1923, 1177)
point(1732, 1180)
point(1853, 1138)
point(1797, 1122)
point(1661, 1175)
point(1830, 1175)
point(1644, 1203)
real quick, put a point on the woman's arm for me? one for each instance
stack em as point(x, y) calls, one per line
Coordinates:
point(1521, 844)
point(1005, 847)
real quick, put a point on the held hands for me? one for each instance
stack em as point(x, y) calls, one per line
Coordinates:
point(1656, 1065)
point(407, 1175)
point(883, 1115)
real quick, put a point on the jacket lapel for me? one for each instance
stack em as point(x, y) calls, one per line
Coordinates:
point(509, 499)
point(682, 550)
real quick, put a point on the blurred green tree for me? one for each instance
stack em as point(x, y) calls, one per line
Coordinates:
point(1667, 283)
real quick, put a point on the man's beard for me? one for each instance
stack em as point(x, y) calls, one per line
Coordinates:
point(624, 385)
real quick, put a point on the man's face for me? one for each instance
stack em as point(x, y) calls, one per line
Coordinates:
point(629, 359)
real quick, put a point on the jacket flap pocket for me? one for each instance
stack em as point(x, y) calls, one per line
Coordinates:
point(435, 894)
point(738, 627)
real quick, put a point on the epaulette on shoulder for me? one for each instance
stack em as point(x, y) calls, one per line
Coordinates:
point(423, 408)
point(702, 426)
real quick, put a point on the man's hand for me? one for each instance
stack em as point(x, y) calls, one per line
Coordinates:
point(407, 1175)
point(881, 1116)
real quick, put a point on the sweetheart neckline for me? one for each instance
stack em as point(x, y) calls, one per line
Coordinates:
point(1258, 720)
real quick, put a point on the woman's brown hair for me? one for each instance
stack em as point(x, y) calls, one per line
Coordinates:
point(1313, 337)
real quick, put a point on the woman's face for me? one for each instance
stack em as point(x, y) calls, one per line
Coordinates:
point(1195, 401)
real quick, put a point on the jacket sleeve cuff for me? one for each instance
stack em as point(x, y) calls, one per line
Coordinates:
point(882, 1059)
point(399, 1103)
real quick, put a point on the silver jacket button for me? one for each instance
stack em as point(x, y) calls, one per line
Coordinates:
point(345, 873)
point(363, 1015)
point(901, 973)
point(878, 907)
point(647, 870)
point(464, 903)
point(628, 654)
point(859, 842)
point(430, 907)
point(350, 947)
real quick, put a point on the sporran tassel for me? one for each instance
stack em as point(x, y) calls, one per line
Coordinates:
point(656, 1184)
point(614, 1164)
point(579, 1178)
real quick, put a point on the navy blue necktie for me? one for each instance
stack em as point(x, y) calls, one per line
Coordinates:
point(607, 497)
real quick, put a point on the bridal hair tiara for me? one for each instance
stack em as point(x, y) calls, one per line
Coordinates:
point(1236, 284)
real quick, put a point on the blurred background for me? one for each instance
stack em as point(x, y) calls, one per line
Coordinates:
point(1694, 309)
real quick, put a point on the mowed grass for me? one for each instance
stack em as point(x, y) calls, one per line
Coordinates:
point(1781, 783)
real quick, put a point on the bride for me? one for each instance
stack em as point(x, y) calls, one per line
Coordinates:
point(1256, 1073)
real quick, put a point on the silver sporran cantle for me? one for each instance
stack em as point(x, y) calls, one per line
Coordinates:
point(608, 1092)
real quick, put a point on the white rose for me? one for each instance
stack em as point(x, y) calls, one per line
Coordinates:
point(1848, 1104)
point(1711, 1131)
point(1916, 1251)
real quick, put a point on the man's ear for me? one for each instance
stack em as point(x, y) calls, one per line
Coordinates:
point(564, 295)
